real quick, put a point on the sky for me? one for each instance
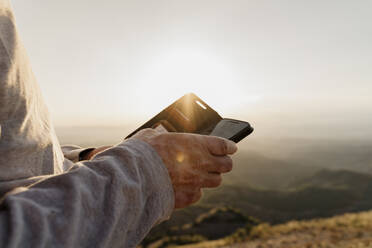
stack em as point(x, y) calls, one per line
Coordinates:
point(284, 66)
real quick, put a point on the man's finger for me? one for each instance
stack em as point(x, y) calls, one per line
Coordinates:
point(222, 164)
point(220, 146)
point(211, 180)
point(218, 164)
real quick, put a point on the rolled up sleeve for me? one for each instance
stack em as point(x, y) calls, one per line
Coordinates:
point(110, 201)
point(73, 152)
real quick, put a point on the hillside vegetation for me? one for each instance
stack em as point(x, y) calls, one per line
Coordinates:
point(324, 194)
point(214, 224)
point(346, 231)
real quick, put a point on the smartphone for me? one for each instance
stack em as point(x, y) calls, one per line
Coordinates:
point(231, 129)
point(190, 114)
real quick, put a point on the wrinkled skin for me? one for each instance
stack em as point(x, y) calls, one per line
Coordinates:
point(193, 161)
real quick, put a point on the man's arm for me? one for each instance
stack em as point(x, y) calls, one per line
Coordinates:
point(114, 199)
point(110, 201)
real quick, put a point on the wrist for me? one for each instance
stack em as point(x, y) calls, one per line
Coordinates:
point(86, 154)
point(90, 153)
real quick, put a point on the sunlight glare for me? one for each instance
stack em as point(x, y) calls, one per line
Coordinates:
point(172, 75)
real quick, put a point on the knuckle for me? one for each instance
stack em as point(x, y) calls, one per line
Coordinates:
point(201, 164)
point(222, 146)
point(228, 165)
point(225, 164)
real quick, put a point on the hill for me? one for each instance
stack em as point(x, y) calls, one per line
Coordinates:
point(324, 194)
point(255, 169)
point(214, 224)
point(277, 163)
point(345, 231)
point(342, 179)
point(324, 153)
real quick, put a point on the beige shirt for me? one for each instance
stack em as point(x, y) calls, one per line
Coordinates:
point(50, 201)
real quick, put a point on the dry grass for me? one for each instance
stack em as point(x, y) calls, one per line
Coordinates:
point(349, 230)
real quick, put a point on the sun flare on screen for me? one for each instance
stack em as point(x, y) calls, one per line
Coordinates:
point(168, 77)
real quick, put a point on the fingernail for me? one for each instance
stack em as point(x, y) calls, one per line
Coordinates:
point(231, 147)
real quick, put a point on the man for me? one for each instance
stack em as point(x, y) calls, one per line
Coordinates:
point(111, 199)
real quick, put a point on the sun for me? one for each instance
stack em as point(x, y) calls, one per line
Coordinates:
point(171, 75)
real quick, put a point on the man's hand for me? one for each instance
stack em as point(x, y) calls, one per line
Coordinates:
point(193, 161)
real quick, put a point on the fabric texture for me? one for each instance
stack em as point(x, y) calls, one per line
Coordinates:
point(50, 201)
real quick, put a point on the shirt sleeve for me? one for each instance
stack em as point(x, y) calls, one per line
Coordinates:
point(74, 152)
point(110, 201)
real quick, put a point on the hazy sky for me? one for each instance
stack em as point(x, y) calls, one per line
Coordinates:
point(307, 63)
